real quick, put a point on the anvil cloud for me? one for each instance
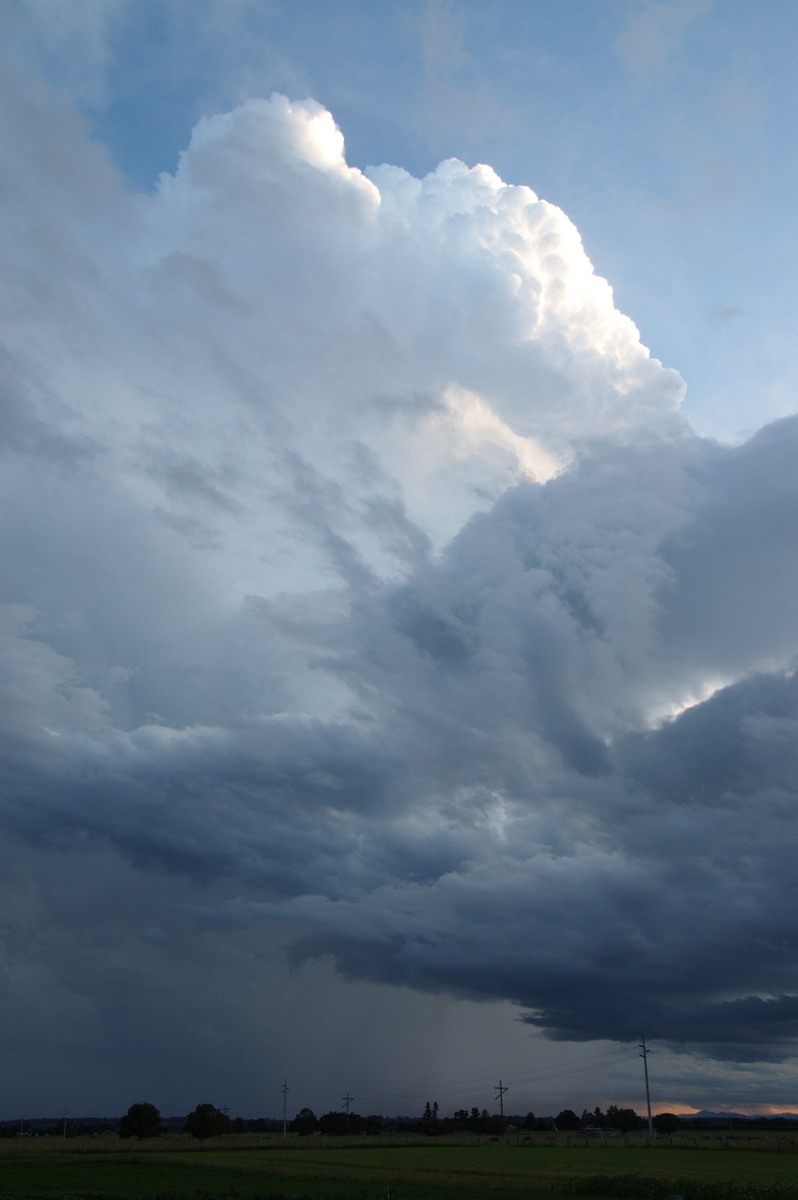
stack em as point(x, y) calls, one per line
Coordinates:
point(361, 570)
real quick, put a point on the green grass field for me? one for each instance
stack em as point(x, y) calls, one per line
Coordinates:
point(107, 1169)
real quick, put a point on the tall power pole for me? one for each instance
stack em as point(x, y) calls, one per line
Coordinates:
point(500, 1090)
point(346, 1101)
point(644, 1056)
point(284, 1090)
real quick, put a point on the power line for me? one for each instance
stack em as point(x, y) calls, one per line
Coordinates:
point(453, 1086)
point(449, 1084)
point(457, 1085)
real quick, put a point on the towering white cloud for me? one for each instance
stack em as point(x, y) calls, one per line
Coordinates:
point(357, 554)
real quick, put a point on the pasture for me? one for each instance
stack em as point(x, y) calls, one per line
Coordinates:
point(394, 1168)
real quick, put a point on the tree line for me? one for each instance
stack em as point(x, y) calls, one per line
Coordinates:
point(475, 1120)
point(207, 1121)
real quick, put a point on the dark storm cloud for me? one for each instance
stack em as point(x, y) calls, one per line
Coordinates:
point(487, 686)
point(738, 557)
point(459, 833)
point(648, 886)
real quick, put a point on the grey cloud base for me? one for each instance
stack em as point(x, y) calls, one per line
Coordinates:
point(470, 825)
point(362, 572)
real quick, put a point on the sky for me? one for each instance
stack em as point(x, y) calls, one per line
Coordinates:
point(397, 625)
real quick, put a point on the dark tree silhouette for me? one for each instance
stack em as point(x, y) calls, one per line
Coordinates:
point(338, 1123)
point(625, 1119)
point(140, 1121)
point(206, 1121)
point(666, 1122)
point(304, 1122)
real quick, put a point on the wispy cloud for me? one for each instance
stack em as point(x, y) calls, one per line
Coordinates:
point(649, 45)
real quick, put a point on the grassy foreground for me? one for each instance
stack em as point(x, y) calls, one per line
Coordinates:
point(180, 1169)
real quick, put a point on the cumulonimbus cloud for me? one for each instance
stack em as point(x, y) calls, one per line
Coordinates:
point(358, 552)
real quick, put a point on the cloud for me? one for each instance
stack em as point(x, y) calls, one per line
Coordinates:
point(649, 44)
point(74, 42)
point(363, 572)
point(459, 103)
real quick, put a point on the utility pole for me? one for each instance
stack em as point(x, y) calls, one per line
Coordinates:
point(346, 1101)
point(284, 1090)
point(644, 1056)
point(65, 1124)
point(500, 1090)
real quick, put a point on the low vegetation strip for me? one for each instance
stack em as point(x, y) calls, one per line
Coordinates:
point(635, 1187)
point(628, 1187)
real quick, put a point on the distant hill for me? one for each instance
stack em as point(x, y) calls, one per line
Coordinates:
point(707, 1115)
